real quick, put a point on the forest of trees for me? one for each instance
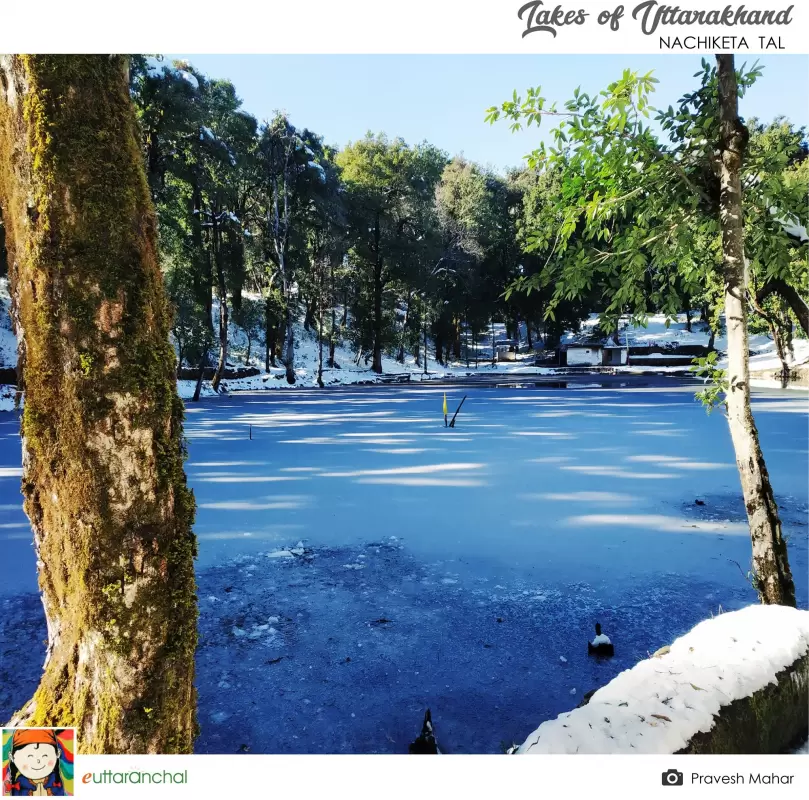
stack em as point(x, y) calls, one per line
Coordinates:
point(379, 244)
point(385, 245)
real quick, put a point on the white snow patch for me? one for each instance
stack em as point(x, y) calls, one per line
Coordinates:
point(281, 554)
point(662, 702)
point(188, 77)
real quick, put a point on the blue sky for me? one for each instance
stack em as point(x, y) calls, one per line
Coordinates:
point(442, 99)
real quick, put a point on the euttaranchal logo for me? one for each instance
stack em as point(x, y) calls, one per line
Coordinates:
point(136, 777)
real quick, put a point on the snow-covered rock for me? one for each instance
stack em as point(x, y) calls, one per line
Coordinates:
point(661, 704)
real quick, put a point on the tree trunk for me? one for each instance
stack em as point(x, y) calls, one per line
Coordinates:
point(203, 363)
point(790, 294)
point(400, 356)
point(779, 337)
point(688, 321)
point(773, 577)
point(103, 479)
point(180, 355)
point(289, 338)
point(378, 286)
point(377, 363)
point(705, 316)
point(320, 334)
point(425, 345)
point(222, 296)
point(333, 332)
point(269, 335)
point(280, 336)
point(466, 335)
point(247, 357)
point(309, 319)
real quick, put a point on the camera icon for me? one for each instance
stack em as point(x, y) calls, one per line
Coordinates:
point(671, 777)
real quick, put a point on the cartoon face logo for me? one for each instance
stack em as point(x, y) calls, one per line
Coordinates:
point(38, 762)
point(35, 760)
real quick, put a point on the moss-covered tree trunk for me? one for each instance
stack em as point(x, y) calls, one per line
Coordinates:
point(773, 577)
point(103, 480)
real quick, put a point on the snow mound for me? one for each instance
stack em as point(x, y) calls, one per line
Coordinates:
point(658, 705)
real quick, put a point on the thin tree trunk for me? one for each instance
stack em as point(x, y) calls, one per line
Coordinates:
point(103, 479)
point(425, 345)
point(280, 338)
point(333, 332)
point(377, 363)
point(269, 343)
point(466, 337)
point(320, 331)
point(771, 565)
point(790, 294)
point(289, 338)
point(203, 364)
point(280, 232)
point(311, 309)
point(705, 316)
point(778, 337)
point(180, 356)
point(222, 296)
point(400, 356)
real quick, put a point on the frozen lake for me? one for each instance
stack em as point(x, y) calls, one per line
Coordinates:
point(441, 568)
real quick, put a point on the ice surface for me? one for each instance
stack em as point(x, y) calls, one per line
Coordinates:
point(663, 701)
point(383, 514)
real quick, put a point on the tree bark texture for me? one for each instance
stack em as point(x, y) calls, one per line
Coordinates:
point(103, 479)
point(772, 574)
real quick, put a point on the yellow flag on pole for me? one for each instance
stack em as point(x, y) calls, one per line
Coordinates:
point(445, 404)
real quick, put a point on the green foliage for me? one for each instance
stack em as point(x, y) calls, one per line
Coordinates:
point(628, 221)
point(713, 395)
point(608, 215)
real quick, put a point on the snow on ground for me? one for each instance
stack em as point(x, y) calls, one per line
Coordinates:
point(8, 346)
point(656, 332)
point(660, 704)
point(673, 333)
point(543, 511)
